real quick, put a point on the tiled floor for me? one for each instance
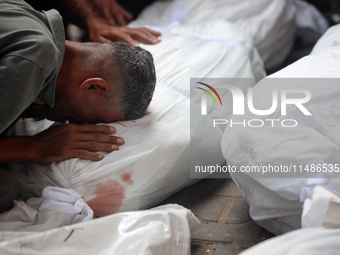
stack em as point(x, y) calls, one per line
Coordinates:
point(226, 225)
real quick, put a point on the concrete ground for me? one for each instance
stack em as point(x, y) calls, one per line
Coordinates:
point(226, 225)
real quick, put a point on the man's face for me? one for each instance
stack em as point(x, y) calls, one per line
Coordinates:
point(99, 118)
point(99, 113)
point(103, 115)
point(80, 108)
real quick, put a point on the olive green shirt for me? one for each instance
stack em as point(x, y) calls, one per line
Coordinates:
point(32, 46)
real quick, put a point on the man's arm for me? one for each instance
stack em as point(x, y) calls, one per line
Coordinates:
point(93, 17)
point(59, 143)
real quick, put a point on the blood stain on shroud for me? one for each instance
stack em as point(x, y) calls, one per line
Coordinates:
point(127, 178)
point(109, 198)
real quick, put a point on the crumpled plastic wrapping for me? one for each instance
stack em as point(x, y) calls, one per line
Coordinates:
point(270, 23)
point(161, 230)
point(313, 241)
point(320, 226)
point(322, 208)
point(57, 207)
point(277, 203)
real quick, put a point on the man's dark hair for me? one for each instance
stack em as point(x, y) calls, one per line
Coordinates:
point(137, 73)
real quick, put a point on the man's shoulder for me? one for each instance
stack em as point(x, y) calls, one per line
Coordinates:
point(27, 33)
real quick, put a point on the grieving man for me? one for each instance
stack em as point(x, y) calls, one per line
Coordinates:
point(44, 76)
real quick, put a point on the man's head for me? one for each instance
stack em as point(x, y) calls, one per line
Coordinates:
point(104, 82)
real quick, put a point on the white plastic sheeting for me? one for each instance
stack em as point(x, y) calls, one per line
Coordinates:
point(330, 39)
point(277, 203)
point(321, 227)
point(211, 49)
point(314, 241)
point(320, 223)
point(57, 207)
point(272, 24)
point(310, 23)
point(322, 207)
point(269, 23)
point(161, 230)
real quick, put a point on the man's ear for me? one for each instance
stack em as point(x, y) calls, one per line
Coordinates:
point(95, 85)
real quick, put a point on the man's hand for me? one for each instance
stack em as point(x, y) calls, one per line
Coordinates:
point(113, 12)
point(59, 143)
point(101, 32)
point(105, 21)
